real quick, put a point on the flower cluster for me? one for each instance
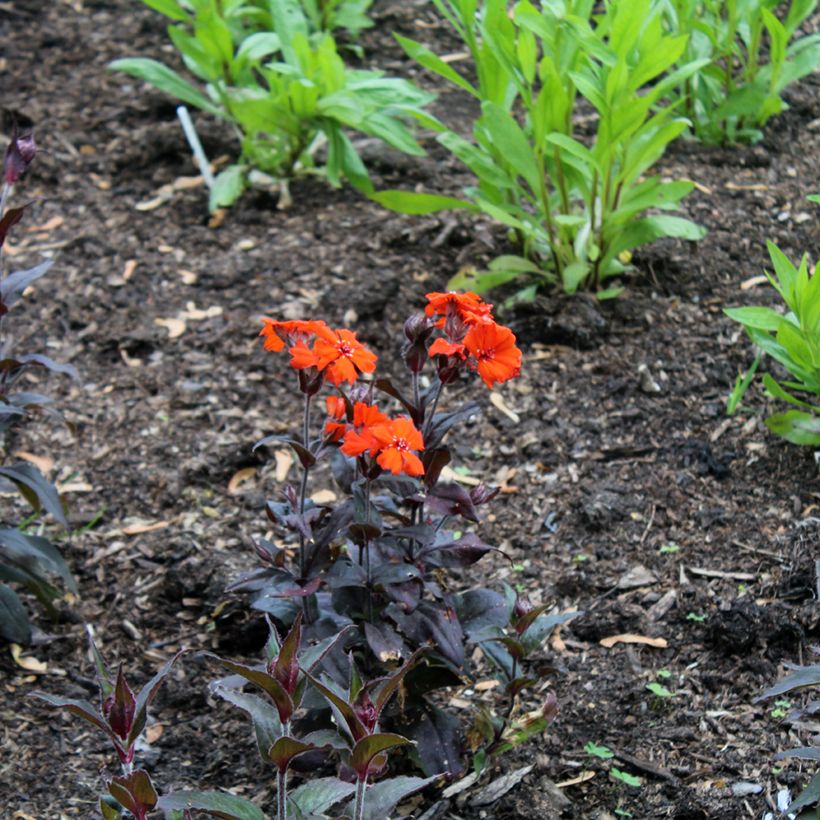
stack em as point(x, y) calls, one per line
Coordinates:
point(472, 338)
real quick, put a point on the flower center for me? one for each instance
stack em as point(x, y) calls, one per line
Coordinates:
point(400, 444)
point(344, 349)
point(489, 353)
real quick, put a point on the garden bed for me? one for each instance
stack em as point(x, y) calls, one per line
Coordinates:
point(649, 510)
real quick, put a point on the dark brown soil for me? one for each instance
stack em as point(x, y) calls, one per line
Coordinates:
point(604, 481)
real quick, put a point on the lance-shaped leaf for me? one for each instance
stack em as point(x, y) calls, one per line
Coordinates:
point(12, 287)
point(803, 676)
point(267, 683)
point(144, 698)
point(265, 717)
point(802, 752)
point(285, 668)
point(286, 749)
point(306, 458)
point(103, 675)
point(41, 549)
point(36, 488)
point(452, 499)
point(80, 708)
point(10, 218)
point(14, 623)
point(120, 707)
point(49, 364)
point(437, 736)
point(134, 792)
point(217, 804)
point(109, 812)
point(381, 798)
point(371, 747)
point(345, 714)
point(316, 797)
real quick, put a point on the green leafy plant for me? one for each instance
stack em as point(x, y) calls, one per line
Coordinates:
point(602, 752)
point(625, 778)
point(28, 561)
point(793, 340)
point(801, 677)
point(286, 92)
point(575, 207)
point(751, 56)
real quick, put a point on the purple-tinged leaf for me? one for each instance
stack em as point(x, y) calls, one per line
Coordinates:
point(463, 552)
point(370, 747)
point(452, 499)
point(134, 792)
point(37, 489)
point(120, 707)
point(384, 642)
point(19, 155)
point(109, 812)
point(144, 698)
point(442, 422)
point(267, 683)
point(49, 364)
point(809, 796)
point(265, 717)
point(103, 675)
point(305, 456)
point(525, 613)
point(479, 609)
point(14, 623)
point(285, 668)
point(12, 287)
point(285, 749)
point(388, 574)
point(433, 624)
point(385, 688)
point(381, 798)
point(80, 708)
point(346, 717)
point(803, 676)
point(541, 628)
point(10, 218)
point(513, 645)
point(21, 545)
point(434, 461)
point(387, 386)
point(437, 736)
point(312, 656)
point(316, 797)
point(217, 804)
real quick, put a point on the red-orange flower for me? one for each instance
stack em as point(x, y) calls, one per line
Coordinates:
point(468, 306)
point(338, 354)
point(397, 439)
point(441, 347)
point(279, 334)
point(336, 409)
point(496, 356)
point(360, 437)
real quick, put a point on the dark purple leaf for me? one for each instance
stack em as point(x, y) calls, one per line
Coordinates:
point(145, 696)
point(387, 386)
point(286, 666)
point(10, 218)
point(80, 708)
point(386, 574)
point(434, 461)
point(19, 155)
point(41, 549)
point(442, 422)
point(346, 717)
point(384, 642)
point(463, 552)
point(541, 628)
point(479, 609)
point(451, 499)
point(514, 646)
point(12, 287)
point(370, 747)
point(14, 623)
point(266, 723)
point(306, 458)
point(433, 624)
point(438, 739)
point(120, 706)
point(37, 489)
point(267, 683)
point(803, 676)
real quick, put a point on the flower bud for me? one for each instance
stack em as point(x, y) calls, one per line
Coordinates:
point(521, 607)
point(417, 329)
point(19, 155)
point(366, 712)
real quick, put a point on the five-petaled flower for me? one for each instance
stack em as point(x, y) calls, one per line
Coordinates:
point(278, 335)
point(467, 306)
point(397, 439)
point(360, 438)
point(497, 359)
point(336, 353)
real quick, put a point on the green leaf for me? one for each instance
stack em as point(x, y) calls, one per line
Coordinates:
point(650, 228)
point(659, 690)
point(228, 187)
point(225, 806)
point(625, 777)
point(511, 142)
point(170, 8)
point(167, 80)
point(577, 149)
point(317, 796)
point(796, 427)
point(409, 202)
point(426, 58)
point(14, 623)
point(760, 318)
point(604, 752)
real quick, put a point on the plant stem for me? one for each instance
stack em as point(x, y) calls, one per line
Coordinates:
point(302, 500)
point(366, 551)
point(281, 795)
point(361, 787)
point(428, 422)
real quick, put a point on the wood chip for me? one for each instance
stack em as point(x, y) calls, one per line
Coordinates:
point(716, 573)
point(130, 267)
point(43, 463)
point(486, 685)
point(497, 401)
point(628, 637)
point(323, 497)
point(239, 478)
point(27, 662)
point(448, 474)
point(284, 461)
point(52, 223)
point(749, 283)
point(175, 327)
point(499, 787)
point(142, 527)
point(581, 778)
point(733, 186)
